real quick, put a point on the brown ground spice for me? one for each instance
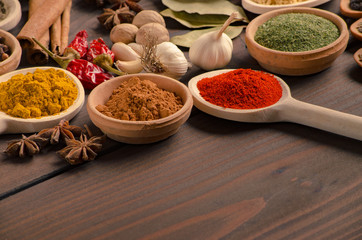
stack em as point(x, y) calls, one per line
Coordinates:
point(140, 100)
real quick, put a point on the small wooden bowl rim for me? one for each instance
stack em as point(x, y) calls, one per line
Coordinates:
point(337, 20)
point(257, 8)
point(15, 48)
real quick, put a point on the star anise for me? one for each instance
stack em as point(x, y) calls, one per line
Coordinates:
point(84, 149)
point(132, 4)
point(122, 11)
point(62, 131)
point(26, 146)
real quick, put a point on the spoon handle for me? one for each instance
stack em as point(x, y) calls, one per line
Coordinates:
point(322, 118)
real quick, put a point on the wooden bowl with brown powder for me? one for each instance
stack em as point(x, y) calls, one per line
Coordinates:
point(296, 63)
point(137, 130)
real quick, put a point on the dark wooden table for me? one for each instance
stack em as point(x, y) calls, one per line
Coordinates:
point(214, 179)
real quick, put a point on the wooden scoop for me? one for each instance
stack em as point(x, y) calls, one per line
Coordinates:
point(9, 124)
point(287, 109)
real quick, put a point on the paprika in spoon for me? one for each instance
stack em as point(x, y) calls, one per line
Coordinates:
point(283, 108)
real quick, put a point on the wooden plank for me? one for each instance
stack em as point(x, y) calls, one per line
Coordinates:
point(200, 182)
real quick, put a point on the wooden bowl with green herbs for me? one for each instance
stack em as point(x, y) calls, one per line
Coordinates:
point(296, 41)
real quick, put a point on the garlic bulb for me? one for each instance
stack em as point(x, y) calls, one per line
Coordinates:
point(214, 49)
point(166, 59)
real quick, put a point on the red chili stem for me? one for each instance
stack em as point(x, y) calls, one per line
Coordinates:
point(62, 61)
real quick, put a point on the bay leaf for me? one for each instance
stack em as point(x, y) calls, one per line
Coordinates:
point(203, 7)
point(194, 20)
point(185, 40)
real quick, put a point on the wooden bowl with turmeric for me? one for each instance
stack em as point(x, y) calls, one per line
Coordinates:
point(140, 108)
point(274, 39)
point(10, 52)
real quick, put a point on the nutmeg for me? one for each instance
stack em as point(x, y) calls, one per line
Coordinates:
point(124, 32)
point(148, 16)
point(152, 32)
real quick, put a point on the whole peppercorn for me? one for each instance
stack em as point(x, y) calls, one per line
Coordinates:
point(356, 5)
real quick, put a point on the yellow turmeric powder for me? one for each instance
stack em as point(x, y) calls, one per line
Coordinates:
point(39, 94)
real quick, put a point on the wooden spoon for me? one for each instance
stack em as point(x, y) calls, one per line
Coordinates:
point(287, 109)
point(9, 124)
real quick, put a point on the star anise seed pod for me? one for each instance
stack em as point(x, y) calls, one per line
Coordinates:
point(133, 5)
point(84, 149)
point(62, 131)
point(26, 146)
point(121, 12)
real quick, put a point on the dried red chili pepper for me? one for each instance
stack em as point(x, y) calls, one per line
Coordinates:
point(88, 73)
point(241, 89)
point(100, 54)
point(96, 48)
point(79, 44)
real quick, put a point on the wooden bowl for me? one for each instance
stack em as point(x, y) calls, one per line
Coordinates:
point(258, 8)
point(13, 15)
point(354, 31)
point(139, 132)
point(347, 11)
point(12, 62)
point(296, 63)
point(357, 57)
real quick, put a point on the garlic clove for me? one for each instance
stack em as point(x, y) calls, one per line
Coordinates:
point(134, 66)
point(138, 48)
point(124, 52)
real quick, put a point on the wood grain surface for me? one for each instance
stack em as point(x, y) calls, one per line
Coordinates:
point(214, 179)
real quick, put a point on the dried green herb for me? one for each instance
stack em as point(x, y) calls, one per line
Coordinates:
point(296, 32)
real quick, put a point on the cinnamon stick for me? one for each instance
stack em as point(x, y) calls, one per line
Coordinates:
point(36, 55)
point(40, 21)
point(55, 36)
point(65, 27)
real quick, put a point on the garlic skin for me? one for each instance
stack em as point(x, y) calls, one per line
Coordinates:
point(173, 60)
point(124, 52)
point(210, 52)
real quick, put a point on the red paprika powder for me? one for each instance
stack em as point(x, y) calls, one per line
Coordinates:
point(241, 89)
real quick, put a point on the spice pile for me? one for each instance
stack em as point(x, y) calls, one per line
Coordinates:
point(296, 32)
point(38, 94)
point(140, 100)
point(241, 89)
